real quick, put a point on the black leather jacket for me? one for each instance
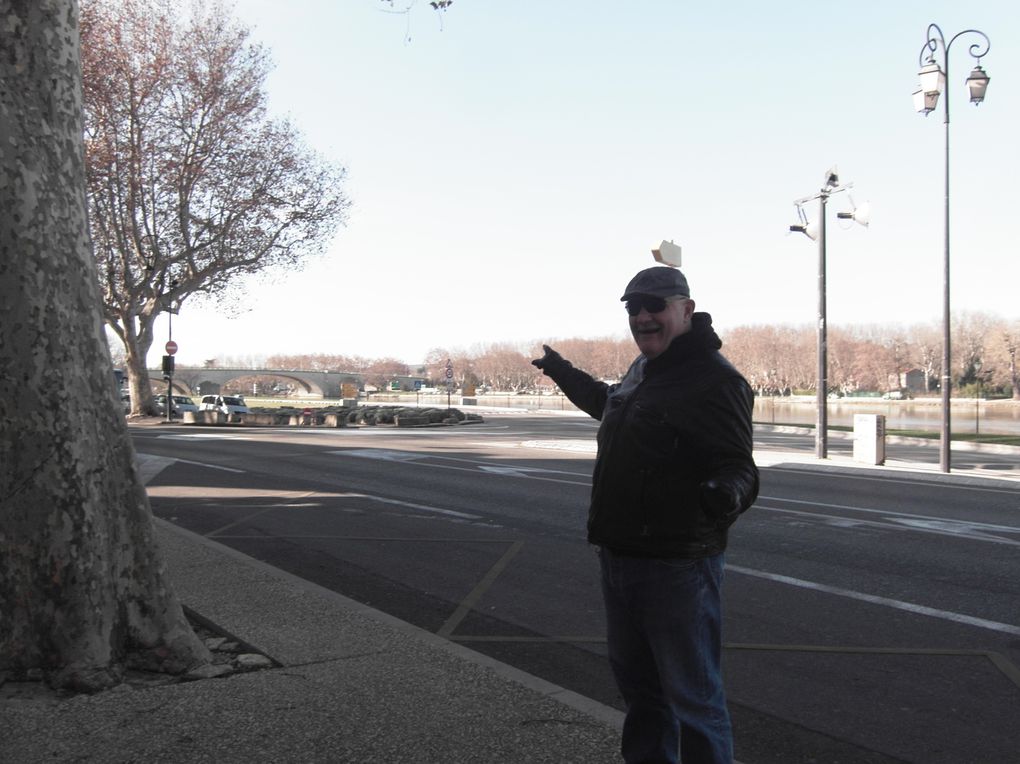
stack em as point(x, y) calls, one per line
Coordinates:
point(671, 424)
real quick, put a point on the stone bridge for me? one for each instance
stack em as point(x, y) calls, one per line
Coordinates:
point(305, 384)
point(302, 384)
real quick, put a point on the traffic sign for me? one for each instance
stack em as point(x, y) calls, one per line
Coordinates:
point(668, 253)
point(171, 347)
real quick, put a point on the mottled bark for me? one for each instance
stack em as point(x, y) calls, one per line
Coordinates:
point(83, 588)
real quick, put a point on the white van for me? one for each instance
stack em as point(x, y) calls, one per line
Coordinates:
point(228, 404)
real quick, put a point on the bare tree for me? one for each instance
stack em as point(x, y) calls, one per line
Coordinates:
point(602, 357)
point(881, 355)
point(383, 370)
point(971, 333)
point(462, 363)
point(83, 588)
point(191, 186)
point(927, 344)
point(1011, 343)
point(405, 8)
point(503, 366)
point(775, 359)
point(845, 372)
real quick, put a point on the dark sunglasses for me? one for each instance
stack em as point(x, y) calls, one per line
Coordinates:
point(648, 302)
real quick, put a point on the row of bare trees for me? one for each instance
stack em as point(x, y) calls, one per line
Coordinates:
point(776, 360)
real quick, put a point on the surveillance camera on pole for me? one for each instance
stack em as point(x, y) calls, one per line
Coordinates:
point(668, 253)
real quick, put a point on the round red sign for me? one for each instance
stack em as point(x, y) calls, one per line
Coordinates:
point(171, 347)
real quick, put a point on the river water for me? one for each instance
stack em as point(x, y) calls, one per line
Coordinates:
point(966, 415)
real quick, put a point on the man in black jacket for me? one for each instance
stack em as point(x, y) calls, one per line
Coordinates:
point(674, 470)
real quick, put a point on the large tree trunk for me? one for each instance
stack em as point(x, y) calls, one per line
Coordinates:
point(139, 384)
point(83, 588)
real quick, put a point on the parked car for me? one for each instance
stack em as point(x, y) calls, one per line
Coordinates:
point(896, 395)
point(228, 404)
point(181, 403)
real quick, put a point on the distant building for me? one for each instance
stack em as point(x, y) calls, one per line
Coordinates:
point(912, 381)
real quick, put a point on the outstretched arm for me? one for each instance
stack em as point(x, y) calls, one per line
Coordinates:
point(583, 390)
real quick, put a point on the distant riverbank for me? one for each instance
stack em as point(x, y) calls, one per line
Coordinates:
point(968, 416)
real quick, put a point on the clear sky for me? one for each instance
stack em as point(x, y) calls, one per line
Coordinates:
point(512, 164)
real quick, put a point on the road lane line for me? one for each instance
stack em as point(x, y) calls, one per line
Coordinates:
point(889, 512)
point(469, 602)
point(499, 469)
point(150, 465)
point(945, 615)
point(956, 529)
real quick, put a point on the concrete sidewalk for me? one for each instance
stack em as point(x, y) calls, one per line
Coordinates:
point(355, 685)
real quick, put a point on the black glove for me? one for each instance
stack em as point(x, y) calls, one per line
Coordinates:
point(549, 361)
point(721, 501)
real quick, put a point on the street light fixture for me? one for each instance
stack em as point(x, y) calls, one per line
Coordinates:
point(933, 81)
point(816, 232)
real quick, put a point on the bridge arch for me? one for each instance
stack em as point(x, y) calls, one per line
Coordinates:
point(210, 381)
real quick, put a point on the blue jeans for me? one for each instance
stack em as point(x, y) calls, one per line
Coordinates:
point(665, 643)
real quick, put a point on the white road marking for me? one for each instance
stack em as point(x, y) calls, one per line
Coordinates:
point(504, 470)
point(203, 436)
point(579, 446)
point(945, 615)
point(902, 521)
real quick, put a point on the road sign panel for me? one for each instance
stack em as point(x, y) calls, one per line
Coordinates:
point(668, 253)
point(171, 347)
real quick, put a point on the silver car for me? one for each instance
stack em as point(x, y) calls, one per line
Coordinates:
point(181, 403)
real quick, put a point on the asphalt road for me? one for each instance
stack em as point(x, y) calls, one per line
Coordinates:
point(871, 615)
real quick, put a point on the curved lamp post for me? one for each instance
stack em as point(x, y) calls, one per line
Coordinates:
point(816, 232)
point(934, 74)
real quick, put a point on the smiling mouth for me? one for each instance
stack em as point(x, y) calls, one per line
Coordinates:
point(648, 330)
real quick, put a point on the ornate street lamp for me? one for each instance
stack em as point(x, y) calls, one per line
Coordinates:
point(816, 232)
point(934, 75)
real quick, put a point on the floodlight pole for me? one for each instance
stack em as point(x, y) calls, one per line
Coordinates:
point(821, 405)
